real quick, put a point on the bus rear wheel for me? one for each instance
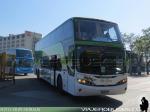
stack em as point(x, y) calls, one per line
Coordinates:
point(59, 83)
point(38, 73)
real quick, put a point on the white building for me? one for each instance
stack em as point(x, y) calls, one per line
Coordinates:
point(24, 40)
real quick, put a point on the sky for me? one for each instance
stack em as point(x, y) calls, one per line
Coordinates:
point(42, 16)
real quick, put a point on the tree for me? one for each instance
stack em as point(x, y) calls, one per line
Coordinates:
point(146, 42)
point(129, 39)
point(142, 48)
point(139, 49)
point(146, 32)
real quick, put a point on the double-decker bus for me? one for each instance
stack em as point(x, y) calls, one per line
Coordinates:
point(83, 57)
point(22, 59)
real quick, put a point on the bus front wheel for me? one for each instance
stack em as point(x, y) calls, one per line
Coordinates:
point(25, 74)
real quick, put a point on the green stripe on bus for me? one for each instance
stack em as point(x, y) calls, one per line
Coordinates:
point(93, 43)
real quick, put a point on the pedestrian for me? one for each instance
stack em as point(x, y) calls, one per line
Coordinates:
point(144, 105)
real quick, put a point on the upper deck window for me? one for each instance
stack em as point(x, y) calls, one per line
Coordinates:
point(97, 31)
point(23, 53)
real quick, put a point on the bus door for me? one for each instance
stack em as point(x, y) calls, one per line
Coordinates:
point(71, 72)
point(45, 68)
point(53, 63)
point(56, 66)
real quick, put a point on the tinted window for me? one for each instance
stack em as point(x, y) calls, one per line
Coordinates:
point(24, 62)
point(101, 60)
point(97, 31)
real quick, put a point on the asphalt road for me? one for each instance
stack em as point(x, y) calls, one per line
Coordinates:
point(28, 91)
point(138, 87)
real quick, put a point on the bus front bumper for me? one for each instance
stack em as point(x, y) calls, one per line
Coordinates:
point(84, 90)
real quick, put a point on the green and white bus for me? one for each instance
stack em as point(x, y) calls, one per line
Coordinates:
point(83, 57)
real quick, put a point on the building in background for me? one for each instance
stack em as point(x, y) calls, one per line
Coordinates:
point(24, 40)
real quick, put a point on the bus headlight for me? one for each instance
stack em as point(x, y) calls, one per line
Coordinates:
point(85, 81)
point(122, 81)
point(82, 81)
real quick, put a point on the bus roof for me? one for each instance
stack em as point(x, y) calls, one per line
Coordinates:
point(1, 51)
point(19, 49)
point(84, 18)
point(23, 49)
point(14, 50)
point(73, 18)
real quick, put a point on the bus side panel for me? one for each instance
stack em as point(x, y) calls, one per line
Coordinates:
point(57, 43)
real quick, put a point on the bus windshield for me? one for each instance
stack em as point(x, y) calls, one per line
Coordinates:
point(23, 53)
point(100, 61)
point(24, 62)
point(97, 31)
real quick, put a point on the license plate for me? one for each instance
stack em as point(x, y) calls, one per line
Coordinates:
point(106, 81)
point(104, 91)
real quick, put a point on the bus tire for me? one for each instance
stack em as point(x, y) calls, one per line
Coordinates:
point(59, 83)
point(25, 74)
point(38, 73)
